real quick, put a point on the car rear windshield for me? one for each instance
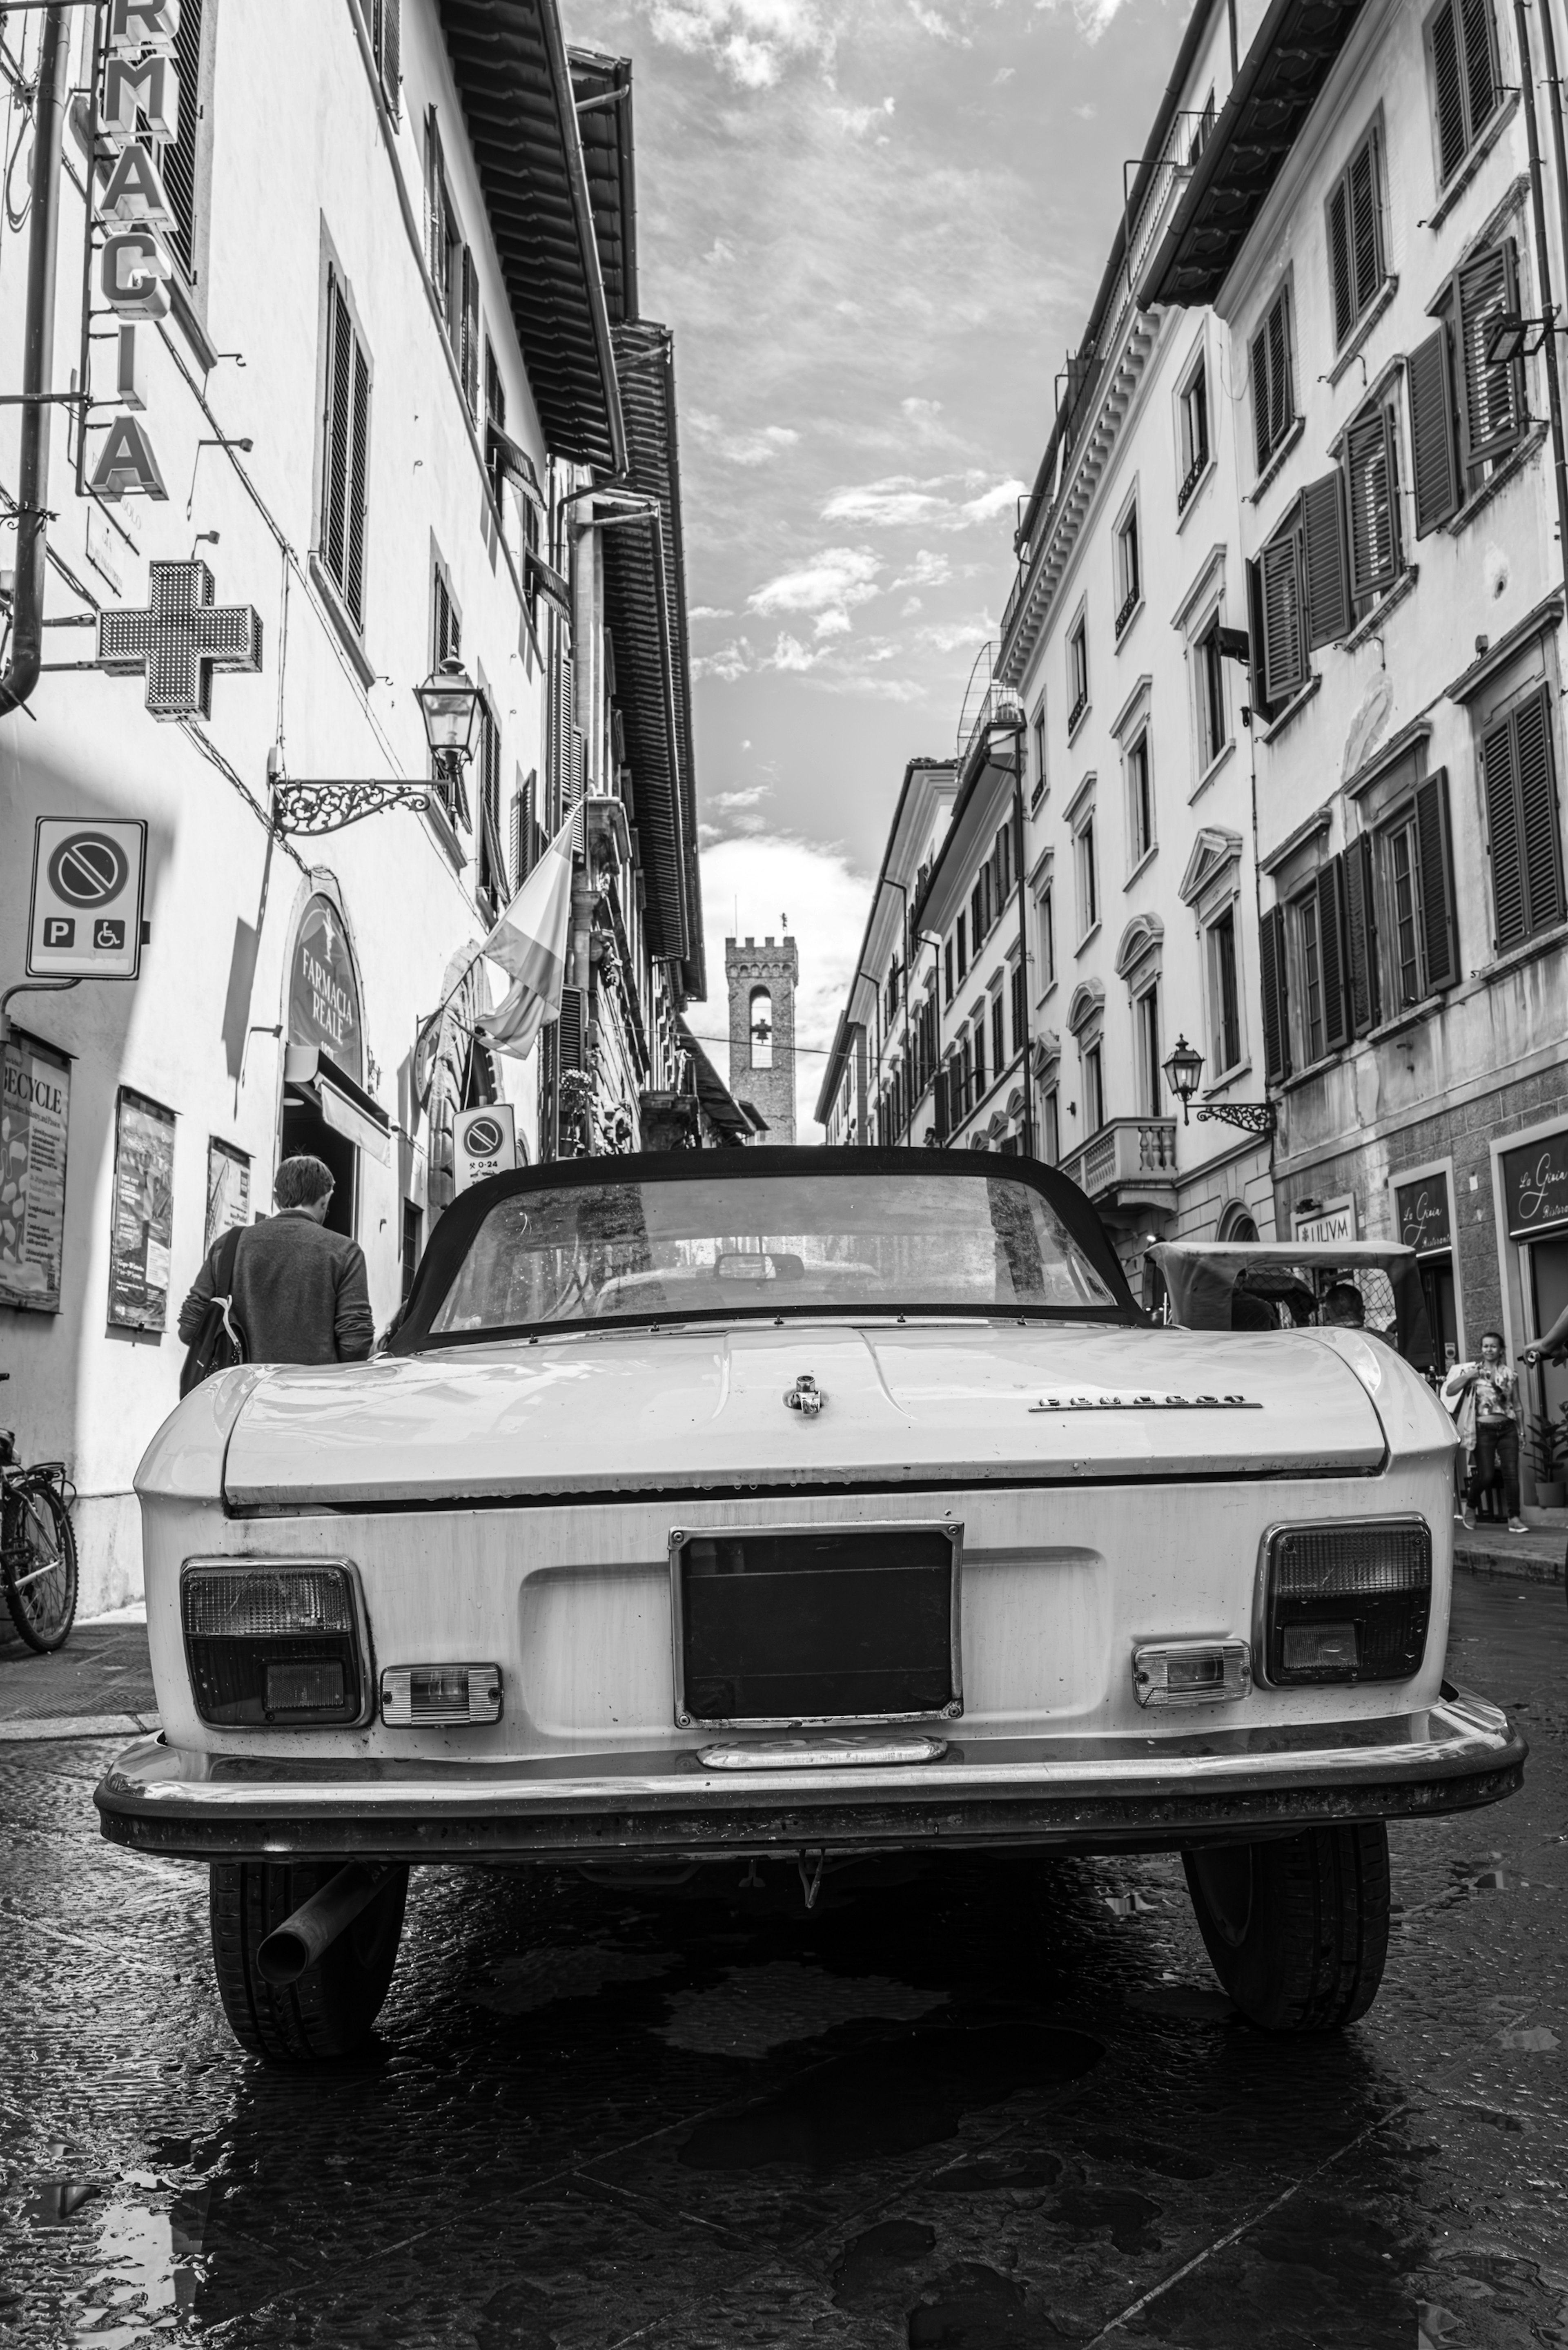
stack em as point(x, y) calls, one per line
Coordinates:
point(636, 1251)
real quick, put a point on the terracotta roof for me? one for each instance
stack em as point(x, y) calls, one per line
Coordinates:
point(603, 88)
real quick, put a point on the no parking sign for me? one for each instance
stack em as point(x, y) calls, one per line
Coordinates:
point(484, 1142)
point(86, 917)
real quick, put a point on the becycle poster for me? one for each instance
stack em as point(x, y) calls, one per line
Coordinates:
point(35, 1116)
point(228, 1190)
point(142, 1228)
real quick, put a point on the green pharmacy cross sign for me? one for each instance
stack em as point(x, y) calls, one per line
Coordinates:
point(180, 641)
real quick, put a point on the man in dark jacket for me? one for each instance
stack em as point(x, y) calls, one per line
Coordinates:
point(301, 1295)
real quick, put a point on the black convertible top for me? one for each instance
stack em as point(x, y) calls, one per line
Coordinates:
point(454, 1234)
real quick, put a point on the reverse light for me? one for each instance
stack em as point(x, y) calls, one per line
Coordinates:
point(1346, 1602)
point(415, 1695)
point(271, 1643)
point(1193, 1672)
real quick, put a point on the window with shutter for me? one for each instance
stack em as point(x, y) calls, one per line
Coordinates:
point(1284, 631)
point(1434, 449)
point(1019, 1010)
point(998, 1034)
point(570, 1028)
point(386, 39)
point(1500, 765)
point(1276, 1006)
point(1361, 973)
point(1491, 399)
point(1327, 570)
point(1372, 504)
point(1273, 396)
point(1355, 238)
point(345, 453)
point(1257, 633)
point(1434, 850)
point(1309, 973)
point(468, 355)
point(1461, 43)
point(177, 160)
point(1331, 958)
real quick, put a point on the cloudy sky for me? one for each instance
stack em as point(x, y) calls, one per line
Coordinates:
point(876, 226)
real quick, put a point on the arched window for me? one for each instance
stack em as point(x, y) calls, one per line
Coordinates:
point(1238, 1223)
point(760, 1020)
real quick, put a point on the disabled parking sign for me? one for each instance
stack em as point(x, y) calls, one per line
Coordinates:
point(88, 882)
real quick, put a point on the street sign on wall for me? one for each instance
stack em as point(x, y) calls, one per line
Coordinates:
point(484, 1142)
point(88, 875)
point(1332, 1220)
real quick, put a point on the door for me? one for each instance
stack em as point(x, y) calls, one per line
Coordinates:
point(1442, 1318)
point(304, 1129)
point(1549, 1285)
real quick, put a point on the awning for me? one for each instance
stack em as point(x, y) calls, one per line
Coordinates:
point(311, 1075)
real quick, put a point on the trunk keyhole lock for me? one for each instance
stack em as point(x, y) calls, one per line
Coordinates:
point(805, 1395)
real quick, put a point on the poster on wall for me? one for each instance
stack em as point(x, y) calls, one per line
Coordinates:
point(228, 1190)
point(141, 1229)
point(35, 1114)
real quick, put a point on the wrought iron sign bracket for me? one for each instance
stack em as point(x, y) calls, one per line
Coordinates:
point(1253, 1117)
point(327, 803)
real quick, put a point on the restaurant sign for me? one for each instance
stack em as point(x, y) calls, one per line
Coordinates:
point(324, 991)
point(1535, 1188)
point(1422, 1208)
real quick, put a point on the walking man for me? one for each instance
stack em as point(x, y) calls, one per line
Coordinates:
point(301, 1295)
point(1494, 1390)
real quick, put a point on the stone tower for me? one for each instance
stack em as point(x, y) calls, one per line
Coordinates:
point(762, 981)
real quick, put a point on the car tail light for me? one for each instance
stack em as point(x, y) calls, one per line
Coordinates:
point(273, 1644)
point(413, 1695)
point(1347, 1602)
point(1193, 1672)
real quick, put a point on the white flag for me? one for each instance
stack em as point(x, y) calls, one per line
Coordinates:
point(530, 943)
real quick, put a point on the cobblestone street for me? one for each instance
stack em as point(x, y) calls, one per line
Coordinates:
point(994, 2105)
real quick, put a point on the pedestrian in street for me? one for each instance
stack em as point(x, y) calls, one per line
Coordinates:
point(1494, 1389)
point(1344, 1308)
point(300, 1293)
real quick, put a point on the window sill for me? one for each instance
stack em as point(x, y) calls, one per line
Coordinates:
point(1363, 328)
point(1392, 597)
point(1125, 622)
point(1077, 718)
point(1194, 494)
point(1473, 162)
point(1270, 471)
point(1276, 726)
point(1528, 950)
point(1223, 1085)
point(1314, 1070)
point(1226, 751)
point(1150, 853)
point(337, 612)
point(1512, 465)
point(1090, 935)
point(1042, 1000)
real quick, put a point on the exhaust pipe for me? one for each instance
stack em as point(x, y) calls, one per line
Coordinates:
point(316, 1925)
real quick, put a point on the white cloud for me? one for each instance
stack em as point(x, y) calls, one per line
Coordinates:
point(789, 653)
point(856, 119)
point(928, 569)
point(1004, 73)
point(910, 606)
point(758, 879)
point(750, 796)
point(710, 612)
point(834, 583)
point(902, 501)
point(751, 41)
point(755, 448)
point(931, 21)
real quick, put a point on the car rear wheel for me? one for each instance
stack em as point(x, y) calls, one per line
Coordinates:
point(330, 2009)
point(1297, 1929)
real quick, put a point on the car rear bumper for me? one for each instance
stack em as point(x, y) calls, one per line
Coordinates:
point(1078, 1794)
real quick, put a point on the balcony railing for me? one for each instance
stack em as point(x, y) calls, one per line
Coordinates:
point(1126, 1152)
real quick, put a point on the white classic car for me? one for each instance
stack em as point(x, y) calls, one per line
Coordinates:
point(786, 1509)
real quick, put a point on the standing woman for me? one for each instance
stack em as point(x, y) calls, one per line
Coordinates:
point(1493, 1389)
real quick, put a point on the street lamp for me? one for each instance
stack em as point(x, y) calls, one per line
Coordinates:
point(1510, 338)
point(1183, 1073)
point(450, 704)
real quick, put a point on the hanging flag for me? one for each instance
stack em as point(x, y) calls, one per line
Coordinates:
point(530, 943)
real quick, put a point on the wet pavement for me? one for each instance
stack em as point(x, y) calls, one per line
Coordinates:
point(996, 2107)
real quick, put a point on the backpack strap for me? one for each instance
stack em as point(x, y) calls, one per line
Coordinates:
point(223, 1257)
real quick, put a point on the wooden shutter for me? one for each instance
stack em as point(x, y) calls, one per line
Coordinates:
point(940, 1108)
point(1369, 480)
point(1491, 399)
point(1262, 707)
point(570, 1029)
point(1447, 90)
point(1361, 973)
point(1284, 635)
point(1331, 957)
point(435, 209)
point(1260, 440)
point(1340, 269)
point(1365, 257)
point(389, 42)
point(1271, 972)
point(1497, 763)
point(177, 163)
point(358, 483)
point(1435, 856)
point(1481, 69)
point(469, 354)
point(335, 449)
point(1434, 450)
point(1327, 571)
point(1542, 852)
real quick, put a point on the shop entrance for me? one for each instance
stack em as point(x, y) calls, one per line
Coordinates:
point(304, 1129)
point(1549, 1285)
point(1442, 1314)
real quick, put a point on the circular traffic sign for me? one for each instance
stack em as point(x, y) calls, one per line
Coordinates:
point(89, 869)
point(483, 1138)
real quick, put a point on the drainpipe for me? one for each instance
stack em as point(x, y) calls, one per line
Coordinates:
point(1537, 200)
point(21, 673)
point(1559, 160)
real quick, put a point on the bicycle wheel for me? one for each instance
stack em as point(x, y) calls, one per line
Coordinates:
point(39, 1550)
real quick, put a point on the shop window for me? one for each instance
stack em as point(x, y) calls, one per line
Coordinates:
point(1466, 83)
point(1355, 239)
point(1194, 412)
point(1274, 380)
point(1523, 834)
point(1466, 415)
point(345, 453)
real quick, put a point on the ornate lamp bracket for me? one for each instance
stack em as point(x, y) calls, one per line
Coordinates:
point(327, 803)
point(1253, 1117)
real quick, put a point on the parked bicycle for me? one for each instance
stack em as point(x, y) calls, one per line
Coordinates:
point(37, 1546)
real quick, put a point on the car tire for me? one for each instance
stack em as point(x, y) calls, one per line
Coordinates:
point(1296, 1929)
point(332, 2008)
